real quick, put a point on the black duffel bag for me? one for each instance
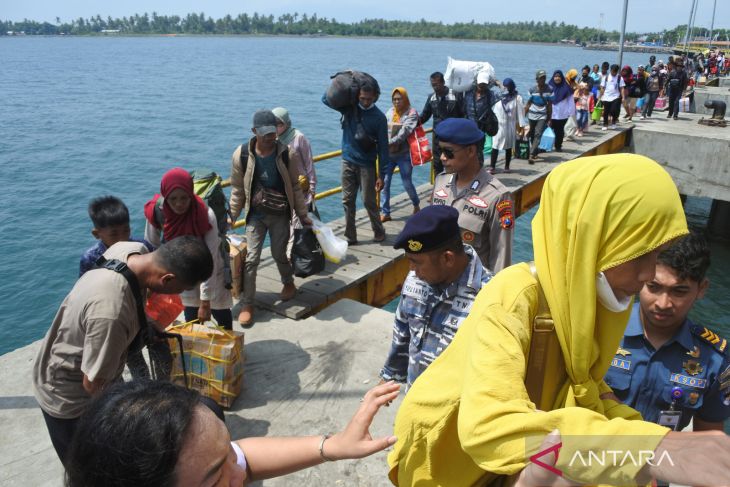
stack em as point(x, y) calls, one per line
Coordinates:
point(306, 254)
point(345, 88)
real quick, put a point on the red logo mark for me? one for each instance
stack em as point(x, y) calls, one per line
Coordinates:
point(549, 468)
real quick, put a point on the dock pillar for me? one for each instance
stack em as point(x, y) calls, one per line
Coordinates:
point(719, 222)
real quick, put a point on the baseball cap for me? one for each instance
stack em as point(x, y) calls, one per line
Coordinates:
point(264, 122)
point(540, 73)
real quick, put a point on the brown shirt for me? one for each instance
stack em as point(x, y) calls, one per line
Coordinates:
point(486, 216)
point(89, 336)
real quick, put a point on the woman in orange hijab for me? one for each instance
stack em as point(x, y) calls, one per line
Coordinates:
point(402, 121)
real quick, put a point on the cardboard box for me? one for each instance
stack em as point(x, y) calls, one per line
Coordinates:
point(683, 104)
point(214, 361)
point(238, 259)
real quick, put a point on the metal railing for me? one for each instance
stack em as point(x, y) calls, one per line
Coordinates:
point(329, 192)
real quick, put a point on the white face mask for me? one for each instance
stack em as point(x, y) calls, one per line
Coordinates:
point(366, 109)
point(607, 297)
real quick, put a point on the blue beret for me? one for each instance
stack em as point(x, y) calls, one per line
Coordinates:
point(459, 131)
point(429, 229)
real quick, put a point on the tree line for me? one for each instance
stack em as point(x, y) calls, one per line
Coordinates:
point(296, 24)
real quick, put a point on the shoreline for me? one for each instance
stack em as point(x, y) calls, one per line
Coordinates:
point(302, 36)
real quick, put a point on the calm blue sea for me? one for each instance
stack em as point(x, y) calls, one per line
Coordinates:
point(82, 117)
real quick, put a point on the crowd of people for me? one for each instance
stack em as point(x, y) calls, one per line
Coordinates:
point(468, 324)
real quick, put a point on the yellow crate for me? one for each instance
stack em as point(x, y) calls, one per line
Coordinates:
point(213, 358)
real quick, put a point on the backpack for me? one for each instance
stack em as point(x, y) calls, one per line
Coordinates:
point(207, 185)
point(488, 122)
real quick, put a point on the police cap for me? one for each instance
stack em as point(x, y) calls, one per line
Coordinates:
point(459, 131)
point(429, 229)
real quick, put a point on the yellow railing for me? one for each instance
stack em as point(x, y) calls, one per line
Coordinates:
point(329, 192)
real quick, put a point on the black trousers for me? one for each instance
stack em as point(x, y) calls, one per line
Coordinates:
point(674, 96)
point(507, 157)
point(61, 432)
point(438, 168)
point(558, 127)
point(223, 317)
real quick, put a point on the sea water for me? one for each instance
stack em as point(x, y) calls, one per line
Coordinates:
point(87, 116)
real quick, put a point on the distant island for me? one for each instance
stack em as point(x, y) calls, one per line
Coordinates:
point(306, 25)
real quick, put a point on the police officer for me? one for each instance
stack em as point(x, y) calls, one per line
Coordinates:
point(486, 217)
point(438, 292)
point(668, 368)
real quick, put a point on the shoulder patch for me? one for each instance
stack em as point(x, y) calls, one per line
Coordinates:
point(710, 337)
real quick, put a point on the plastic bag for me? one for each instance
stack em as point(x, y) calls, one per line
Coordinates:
point(164, 308)
point(461, 75)
point(419, 146)
point(334, 247)
point(547, 140)
point(306, 254)
point(523, 149)
point(597, 112)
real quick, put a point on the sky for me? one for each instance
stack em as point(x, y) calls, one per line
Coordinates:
point(643, 15)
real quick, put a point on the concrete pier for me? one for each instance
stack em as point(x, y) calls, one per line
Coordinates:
point(695, 155)
point(709, 93)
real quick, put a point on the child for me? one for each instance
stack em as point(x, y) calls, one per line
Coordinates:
point(110, 217)
point(583, 106)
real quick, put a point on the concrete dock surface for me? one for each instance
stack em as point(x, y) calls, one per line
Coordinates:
point(301, 378)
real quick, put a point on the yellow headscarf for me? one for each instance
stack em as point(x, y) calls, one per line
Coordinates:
point(571, 75)
point(596, 213)
point(407, 103)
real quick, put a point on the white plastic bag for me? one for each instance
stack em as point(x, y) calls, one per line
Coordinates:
point(460, 75)
point(334, 247)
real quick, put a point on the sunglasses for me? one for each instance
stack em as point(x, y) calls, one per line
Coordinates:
point(449, 153)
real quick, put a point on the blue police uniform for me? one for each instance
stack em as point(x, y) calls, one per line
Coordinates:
point(695, 360)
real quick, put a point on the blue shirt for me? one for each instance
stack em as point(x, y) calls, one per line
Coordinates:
point(376, 126)
point(427, 319)
point(92, 254)
point(643, 377)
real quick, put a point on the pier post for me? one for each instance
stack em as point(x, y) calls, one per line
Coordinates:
point(719, 222)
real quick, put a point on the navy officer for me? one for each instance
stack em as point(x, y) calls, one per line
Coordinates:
point(438, 292)
point(486, 216)
point(668, 368)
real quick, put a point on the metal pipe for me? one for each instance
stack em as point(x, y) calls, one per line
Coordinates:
point(623, 34)
point(692, 26)
point(689, 25)
point(712, 25)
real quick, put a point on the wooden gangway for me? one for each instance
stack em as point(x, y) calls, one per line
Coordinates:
point(373, 273)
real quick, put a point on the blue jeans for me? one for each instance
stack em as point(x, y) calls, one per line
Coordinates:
point(403, 161)
point(582, 119)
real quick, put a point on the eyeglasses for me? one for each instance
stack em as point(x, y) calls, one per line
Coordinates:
point(449, 152)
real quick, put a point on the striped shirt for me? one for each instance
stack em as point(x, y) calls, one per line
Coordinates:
point(427, 319)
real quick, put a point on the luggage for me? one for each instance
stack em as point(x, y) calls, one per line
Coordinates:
point(661, 103)
point(487, 146)
point(547, 140)
point(522, 149)
point(163, 308)
point(419, 146)
point(213, 358)
point(684, 104)
point(345, 87)
point(461, 75)
point(307, 257)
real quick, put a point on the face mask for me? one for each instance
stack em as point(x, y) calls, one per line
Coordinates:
point(366, 109)
point(607, 297)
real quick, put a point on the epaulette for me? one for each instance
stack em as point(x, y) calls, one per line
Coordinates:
point(709, 336)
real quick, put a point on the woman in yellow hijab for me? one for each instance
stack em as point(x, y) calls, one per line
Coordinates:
point(468, 418)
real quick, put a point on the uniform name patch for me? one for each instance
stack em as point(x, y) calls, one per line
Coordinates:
point(441, 193)
point(481, 213)
point(688, 381)
point(477, 201)
point(621, 364)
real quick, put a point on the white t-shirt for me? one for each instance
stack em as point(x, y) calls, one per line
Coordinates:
point(612, 87)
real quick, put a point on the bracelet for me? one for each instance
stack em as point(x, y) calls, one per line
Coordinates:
point(321, 449)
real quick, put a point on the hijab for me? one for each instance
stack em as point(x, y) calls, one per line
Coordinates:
point(629, 74)
point(561, 90)
point(571, 75)
point(290, 133)
point(193, 222)
point(406, 103)
point(596, 213)
point(511, 90)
